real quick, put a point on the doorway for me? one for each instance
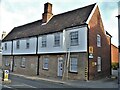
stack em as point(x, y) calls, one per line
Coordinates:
point(60, 66)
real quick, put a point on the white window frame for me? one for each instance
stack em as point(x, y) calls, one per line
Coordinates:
point(99, 64)
point(44, 41)
point(17, 44)
point(98, 40)
point(73, 65)
point(45, 63)
point(23, 61)
point(74, 38)
point(27, 43)
point(5, 46)
point(7, 62)
point(57, 39)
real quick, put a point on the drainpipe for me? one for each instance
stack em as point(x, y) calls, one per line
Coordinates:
point(37, 55)
point(88, 50)
point(13, 56)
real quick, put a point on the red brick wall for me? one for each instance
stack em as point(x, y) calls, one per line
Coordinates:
point(114, 53)
point(96, 27)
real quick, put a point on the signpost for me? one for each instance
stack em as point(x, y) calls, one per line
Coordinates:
point(119, 40)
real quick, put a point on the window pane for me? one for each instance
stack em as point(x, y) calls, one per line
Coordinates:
point(57, 39)
point(5, 46)
point(73, 64)
point(6, 62)
point(44, 41)
point(17, 44)
point(98, 40)
point(45, 63)
point(27, 43)
point(99, 64)
point(74, 38)
point(23, 62)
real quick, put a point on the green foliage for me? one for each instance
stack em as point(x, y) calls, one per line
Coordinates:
point(115, 66)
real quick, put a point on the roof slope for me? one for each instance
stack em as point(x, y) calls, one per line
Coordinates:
point(57, 23)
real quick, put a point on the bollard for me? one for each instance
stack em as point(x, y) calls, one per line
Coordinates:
point(6, 79)
point(6, 75)
point(86, 74)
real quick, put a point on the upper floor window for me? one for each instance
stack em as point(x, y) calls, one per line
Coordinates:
point(57, 39)
point(99, 64)
point(45, 63)
point(98, 40)
point(17, 44)
point(5, 46)
point(27, 43)
point(74, 38)
point(73, 64)
point(44, 41)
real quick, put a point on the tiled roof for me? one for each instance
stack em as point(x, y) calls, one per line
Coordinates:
point(57, 23)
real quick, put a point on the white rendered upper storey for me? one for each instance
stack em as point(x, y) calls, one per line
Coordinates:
point(71, 39)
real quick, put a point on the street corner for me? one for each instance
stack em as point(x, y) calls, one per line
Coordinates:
point(6, 82)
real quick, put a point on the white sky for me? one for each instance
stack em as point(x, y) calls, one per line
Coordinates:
point(14, 13)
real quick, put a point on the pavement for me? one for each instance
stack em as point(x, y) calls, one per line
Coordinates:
point(102, 83)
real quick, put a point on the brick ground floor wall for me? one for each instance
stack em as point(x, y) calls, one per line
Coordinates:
point(82, 64)
point(52, 65)
point(52, 70)
point(6, 62)
point(105, 68)
point(30, 66)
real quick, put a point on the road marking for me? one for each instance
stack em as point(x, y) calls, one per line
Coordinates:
point(6, 86)
point(29, 86)
point(23, 85)
point(18, 85)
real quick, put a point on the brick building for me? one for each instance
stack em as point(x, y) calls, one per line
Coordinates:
point(71, 45)
point(114, 53)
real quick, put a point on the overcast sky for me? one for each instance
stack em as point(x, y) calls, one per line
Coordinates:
point(14, 13)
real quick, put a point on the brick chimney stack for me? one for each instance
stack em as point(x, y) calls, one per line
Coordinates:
point(3, 34)
point(47, 12)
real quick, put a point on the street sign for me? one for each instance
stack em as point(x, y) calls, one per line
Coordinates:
point(91, 49)
point(90, 55)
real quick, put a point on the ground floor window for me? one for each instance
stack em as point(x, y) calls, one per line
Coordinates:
point(73, 64)
point(23, 62)
point(7, 62)
point(45, 63)
point(99, 64)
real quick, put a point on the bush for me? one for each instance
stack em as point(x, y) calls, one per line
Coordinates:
point(115, 66)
